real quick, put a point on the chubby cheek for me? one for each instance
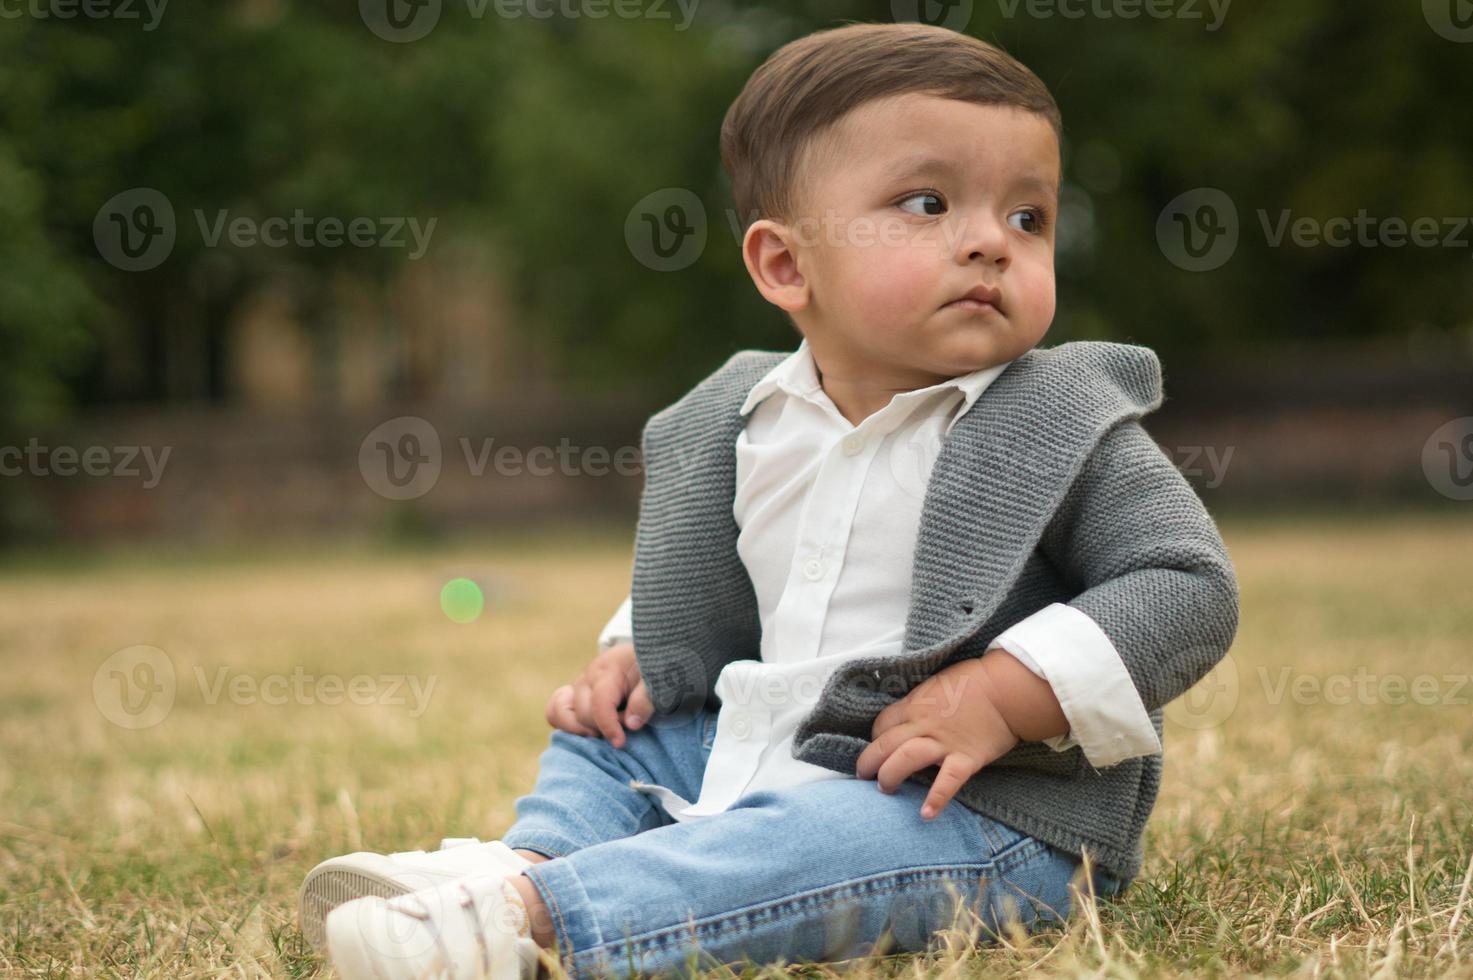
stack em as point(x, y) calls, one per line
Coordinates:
point(889, 286)
point(1033, 298)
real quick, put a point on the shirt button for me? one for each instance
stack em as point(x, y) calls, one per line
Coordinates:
point(852, 443)
point(813, 569)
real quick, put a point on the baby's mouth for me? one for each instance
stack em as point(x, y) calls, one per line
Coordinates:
point(982, 299)
point(972, 305)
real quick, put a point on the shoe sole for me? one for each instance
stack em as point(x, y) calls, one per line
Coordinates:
point(343, 879)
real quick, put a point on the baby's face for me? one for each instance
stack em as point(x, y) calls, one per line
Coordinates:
point(909, 203)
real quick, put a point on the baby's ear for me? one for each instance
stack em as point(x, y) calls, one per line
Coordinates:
point(770, 254)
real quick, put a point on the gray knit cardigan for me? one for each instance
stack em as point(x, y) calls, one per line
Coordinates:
point(1046, 490)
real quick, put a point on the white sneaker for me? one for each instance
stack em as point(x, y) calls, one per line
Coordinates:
point(342, 879)
point(467, 929)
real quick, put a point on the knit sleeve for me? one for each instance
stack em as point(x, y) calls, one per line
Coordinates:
point(1152, 570)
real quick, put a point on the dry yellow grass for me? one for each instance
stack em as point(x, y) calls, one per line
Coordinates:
point(1293, 834)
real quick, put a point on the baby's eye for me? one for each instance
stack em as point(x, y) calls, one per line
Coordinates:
point(1032, 220)
point(928, 196)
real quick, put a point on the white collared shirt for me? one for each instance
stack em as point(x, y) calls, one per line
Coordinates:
point(828, 514)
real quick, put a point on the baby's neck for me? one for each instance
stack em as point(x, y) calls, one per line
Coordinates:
point(858, 400)
point(858, 394)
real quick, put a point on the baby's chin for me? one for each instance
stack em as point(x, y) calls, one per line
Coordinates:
point(963, 352)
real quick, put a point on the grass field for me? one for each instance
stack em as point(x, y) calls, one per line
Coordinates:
point(1315, 817)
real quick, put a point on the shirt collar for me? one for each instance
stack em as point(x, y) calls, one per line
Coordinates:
point(797, 375)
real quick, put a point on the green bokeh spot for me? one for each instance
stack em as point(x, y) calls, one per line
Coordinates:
point(462, 600)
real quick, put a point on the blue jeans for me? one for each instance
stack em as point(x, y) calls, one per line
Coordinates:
point(828, 871)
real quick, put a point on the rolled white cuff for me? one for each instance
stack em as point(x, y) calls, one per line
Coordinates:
point(1065, 647)
point(619, 629)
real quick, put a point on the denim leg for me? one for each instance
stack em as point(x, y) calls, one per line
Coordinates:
point(819, 873)
point(582, 794)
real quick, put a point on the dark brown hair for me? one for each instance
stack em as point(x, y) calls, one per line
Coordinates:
point(809, 84)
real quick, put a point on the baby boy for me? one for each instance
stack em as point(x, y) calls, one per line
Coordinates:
point(906, 602)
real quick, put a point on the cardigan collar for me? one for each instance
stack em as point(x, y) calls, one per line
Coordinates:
point(1000, 475)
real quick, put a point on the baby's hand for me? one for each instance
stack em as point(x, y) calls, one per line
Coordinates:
point(951, 720)
point(590, 705)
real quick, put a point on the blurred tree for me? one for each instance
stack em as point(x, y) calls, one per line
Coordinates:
point(542, 134)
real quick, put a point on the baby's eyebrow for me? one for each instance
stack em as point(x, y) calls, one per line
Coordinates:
point(1033, 182)
point(921, 165)
point(917, 166)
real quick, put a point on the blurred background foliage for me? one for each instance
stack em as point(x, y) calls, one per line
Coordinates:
point(536, 136)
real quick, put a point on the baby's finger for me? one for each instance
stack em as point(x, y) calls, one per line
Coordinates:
point(607, 692)
point(562, 715)
point(916, 754)
point(640, 708)
point(583, 705)
point(878, 751)
point(555, 700)
point(956, 769)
